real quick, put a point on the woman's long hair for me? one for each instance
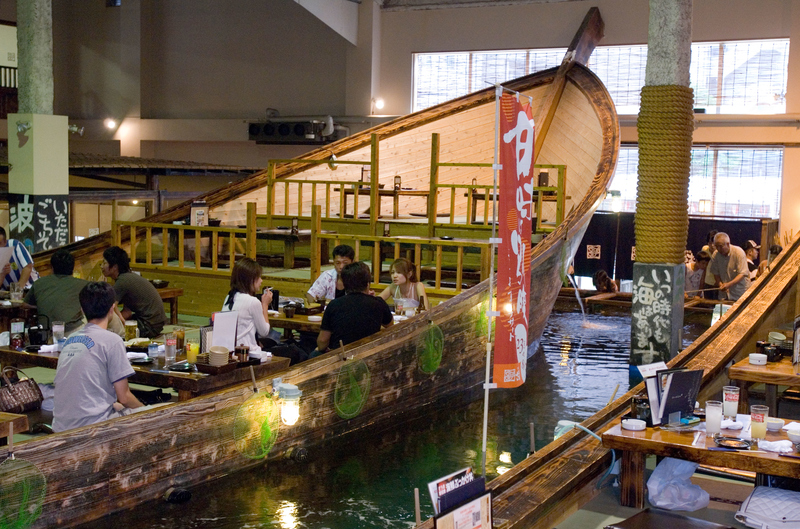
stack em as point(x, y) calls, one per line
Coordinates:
point(244, 274)
point(405, 267)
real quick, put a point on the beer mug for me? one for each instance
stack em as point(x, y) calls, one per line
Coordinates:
point(131, 330)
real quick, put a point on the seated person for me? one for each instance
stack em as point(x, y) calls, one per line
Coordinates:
point(696, 273)
point(56, 295)
point(140, 299)
point(763, 266)
point(253, 318)
point(20, 268)
point(329, 284)
point(355, 316)
point(93, 369)
point(405, 289)
point(603, 283)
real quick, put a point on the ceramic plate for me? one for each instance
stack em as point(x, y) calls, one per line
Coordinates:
point(142, 361)
point(732, 442)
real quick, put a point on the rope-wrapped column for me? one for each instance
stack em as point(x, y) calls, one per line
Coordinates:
point(666, 122)
point(665, 126)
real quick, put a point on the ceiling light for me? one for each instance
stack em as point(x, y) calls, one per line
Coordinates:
point(110, 123)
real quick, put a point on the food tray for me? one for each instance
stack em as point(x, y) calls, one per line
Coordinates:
point(251, 362)
point(306, 311)
point(217, 370)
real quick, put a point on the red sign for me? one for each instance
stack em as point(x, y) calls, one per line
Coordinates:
point(515, 188)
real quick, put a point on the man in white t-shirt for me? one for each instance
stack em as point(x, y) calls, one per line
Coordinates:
point(729, 267)
point(93, 369)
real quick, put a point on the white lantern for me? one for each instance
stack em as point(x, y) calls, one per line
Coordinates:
point(290, 401)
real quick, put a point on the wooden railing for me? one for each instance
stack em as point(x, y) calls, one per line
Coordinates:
point(165, 244)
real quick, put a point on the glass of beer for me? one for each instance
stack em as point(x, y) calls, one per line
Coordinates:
point(730, 401)
point(131, 330)
point(180, 336)
point(713, 417)
point(58, 331)
point(758, 421)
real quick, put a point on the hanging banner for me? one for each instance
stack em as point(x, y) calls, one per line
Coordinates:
point(515, 188)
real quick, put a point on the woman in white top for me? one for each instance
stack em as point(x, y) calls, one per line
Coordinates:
point(253, 318)
point(405, 289)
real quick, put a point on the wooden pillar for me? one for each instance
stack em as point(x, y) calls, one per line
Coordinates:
point(434, 184)
point(251, 230)
point(316, 227)
point(374, 197)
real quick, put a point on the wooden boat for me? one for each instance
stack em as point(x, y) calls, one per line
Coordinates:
point(551, 485)
point(98, 469)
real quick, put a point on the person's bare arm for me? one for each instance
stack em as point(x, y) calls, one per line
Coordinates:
point(125, 314)
point(124, 395)
point(25, 274)
point(323, 340)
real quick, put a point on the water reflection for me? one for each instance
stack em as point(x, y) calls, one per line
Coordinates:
point(369, 481)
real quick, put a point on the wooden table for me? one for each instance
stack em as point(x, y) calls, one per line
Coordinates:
point(171, 296)
point(391, 192)
point(297, 323)
point(189, 385)
point(20, 423)
point(772, 375)
point(290, 240)
point(636, 445)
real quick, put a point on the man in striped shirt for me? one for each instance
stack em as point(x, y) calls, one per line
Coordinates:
point(20, 268)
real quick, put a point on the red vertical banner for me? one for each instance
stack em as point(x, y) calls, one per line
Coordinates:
point(515, 188)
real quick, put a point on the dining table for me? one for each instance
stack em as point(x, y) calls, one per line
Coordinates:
point(187, 384)
point(772, 374)
point(298, 322)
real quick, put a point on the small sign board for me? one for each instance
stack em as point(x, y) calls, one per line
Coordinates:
point(473, 514)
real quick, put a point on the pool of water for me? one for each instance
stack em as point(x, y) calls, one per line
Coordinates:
point(369, 481)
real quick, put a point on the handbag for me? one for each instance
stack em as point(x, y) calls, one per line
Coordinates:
point(769, 508)
point(21, 396)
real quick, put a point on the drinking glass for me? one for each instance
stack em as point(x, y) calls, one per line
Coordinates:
point(58, 331)
point(758, 421)
point(131, 330)
point(180, 336)
point(170, 349)
point(398, 307)
point(192, 349)
point(730, 400)
point(15, 292)
point(713, 417)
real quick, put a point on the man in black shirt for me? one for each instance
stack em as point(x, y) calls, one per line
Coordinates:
point(355, 316)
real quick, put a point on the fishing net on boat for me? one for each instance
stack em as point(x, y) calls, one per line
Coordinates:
point(352, 388)
point(256, 425)
point(22, 490)
point(429, 350)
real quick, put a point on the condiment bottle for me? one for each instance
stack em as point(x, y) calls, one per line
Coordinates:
point(17, 338)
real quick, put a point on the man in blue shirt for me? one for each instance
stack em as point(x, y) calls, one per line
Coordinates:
point(20, 268)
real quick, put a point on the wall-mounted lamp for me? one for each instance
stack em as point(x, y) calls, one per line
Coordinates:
point(377, 104)
point(616, 200)
point(74, 129)
point(290, 401)
point(332, 164)
point(110, 123)
point(23, 126)
point(397, 182)
point(294, 225)
point(705, 206)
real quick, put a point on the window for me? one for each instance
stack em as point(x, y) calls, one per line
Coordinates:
point(737, 181)
point(735, 77)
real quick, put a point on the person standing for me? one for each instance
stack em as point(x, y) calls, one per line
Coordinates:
point(20, 267)
point(751, 253)
point(729, 267)
point(140, 299)
point(92, 373)
point(56, 295)
point(696, 274)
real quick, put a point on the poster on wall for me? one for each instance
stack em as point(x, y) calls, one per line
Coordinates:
point(514, 229)
point(40, 222)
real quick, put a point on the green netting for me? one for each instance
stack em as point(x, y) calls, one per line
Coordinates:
point(482, 324)
point(352, 388)
point(256, 425)
point(22, 490)
point(429, 351)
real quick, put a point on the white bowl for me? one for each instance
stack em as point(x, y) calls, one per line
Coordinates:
point(758, 359)
point(633, 424)
point(774, 424)
point(315, 318)
point(794, 436)
point(775, 336)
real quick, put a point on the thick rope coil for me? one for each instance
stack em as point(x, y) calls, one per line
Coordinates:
point(666, 123)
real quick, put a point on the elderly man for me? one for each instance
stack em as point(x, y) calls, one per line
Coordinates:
point(355, 316)
point(140, 298)
point(729, 267)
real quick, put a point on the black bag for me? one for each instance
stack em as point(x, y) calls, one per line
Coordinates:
point(291, 351)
